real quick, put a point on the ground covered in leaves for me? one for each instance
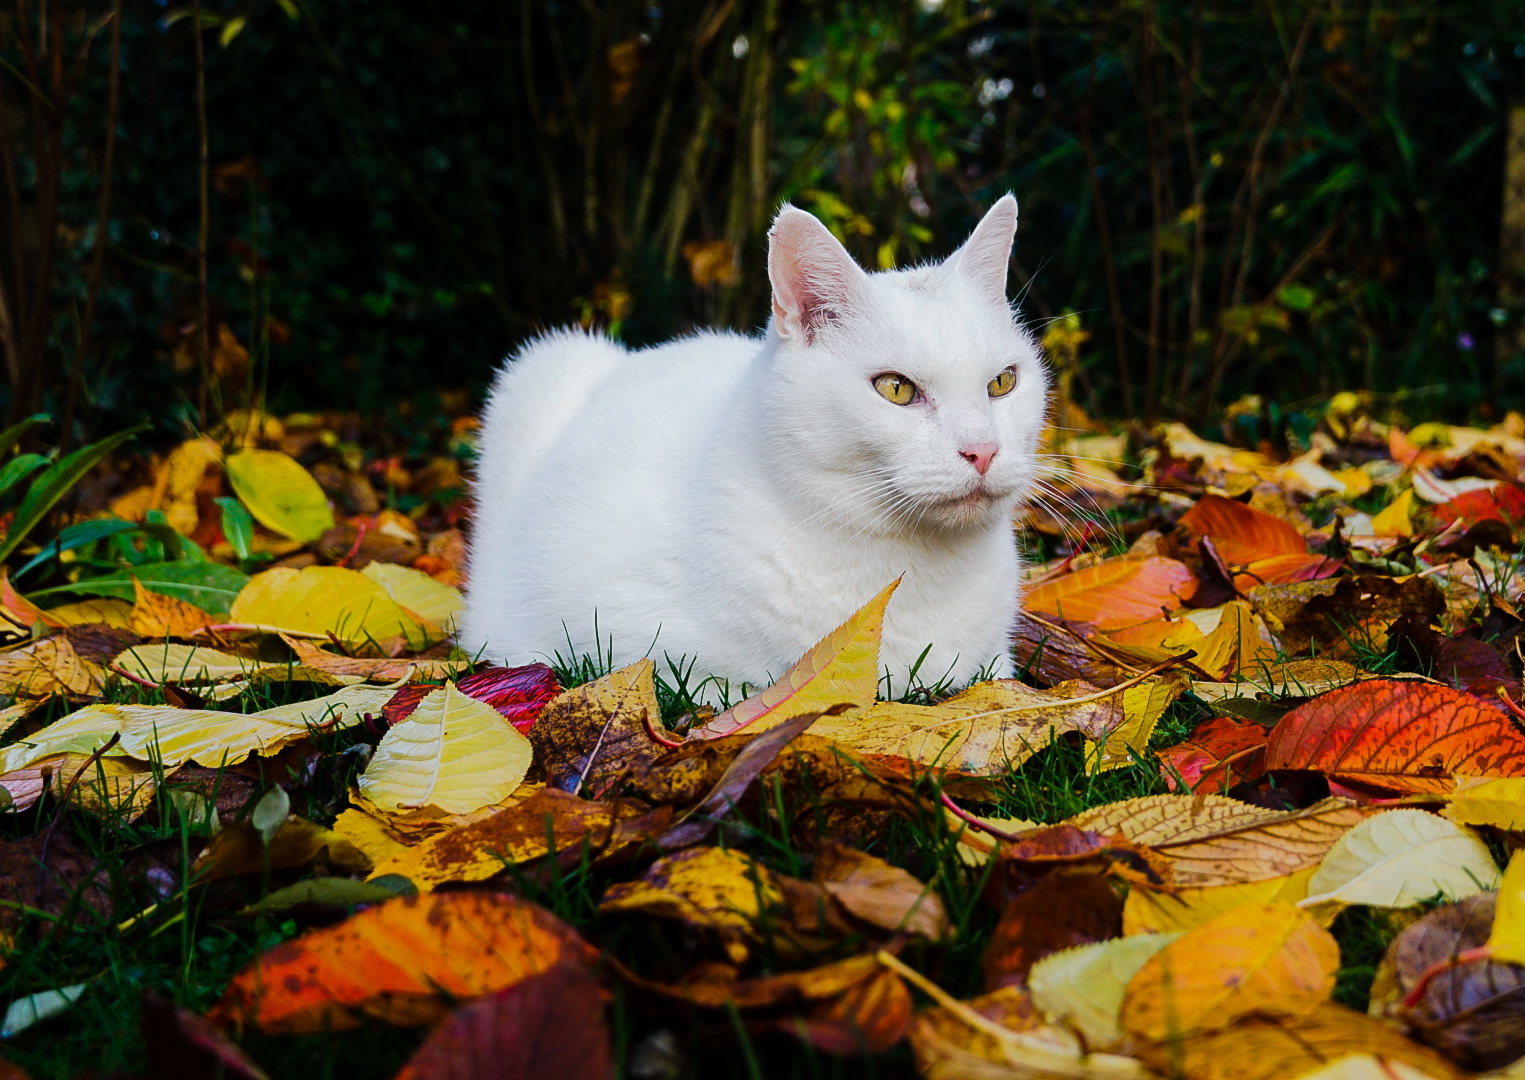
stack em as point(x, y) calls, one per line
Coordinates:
point(1250, 810)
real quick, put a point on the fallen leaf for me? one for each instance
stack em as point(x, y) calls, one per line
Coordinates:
point(1398, 735)
point(242, 848)
point(418, 594)
point(453, 752)
point(1344, 615)
point(1498, 801)
point(173, 736)
point(183, 1044)
point(1058, 913)
point(1367, 1067)
point(1504, 503)
point(549, 1026)
point(879, 894)
point(116, 613)
point(749, 762)
point(518, 693)
point(33, 1009)
point(403, 962)
point(155, 615)
point(1279, 1047)
point(323, 600)
point(372, 670)
point(1397, 518)
point(595, 731)
point(1155, 911)
point(50, 665)
point(328, 893)
point(1217, 755)
point(1473, 1009)
point(1241, 533)
point(1083, 987)
point(280, 494)
point(1507, 939)
point(1400, 858)
point(1257, 959)
point(1115, 593)
point(550, 820)
point(842, 667)
point(718, 890)
point(1211, 840)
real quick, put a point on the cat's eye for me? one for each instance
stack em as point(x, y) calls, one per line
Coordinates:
point(1004, 383)
point(895, 387)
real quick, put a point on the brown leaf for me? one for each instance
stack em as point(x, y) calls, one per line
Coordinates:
point(869, 1017)
point(1465, 662)
point(1057, 651)
point(1210, 840)
point(373, 670)
point(880, 894)
point(1398, 735)
point(240, 849)
point(595, 731)
point(546, 1027)
point(48, 666)
point(156, 616)
point(1331, 614)
point(1062, 911)
point(751, 760)
point(1066, 849)
point(402, 962)
point(527, 830)
point(1472, 1012)
point(51, 873)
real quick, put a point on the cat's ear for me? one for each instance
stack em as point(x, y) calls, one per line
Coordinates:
point(984, 256)
point(814, 278)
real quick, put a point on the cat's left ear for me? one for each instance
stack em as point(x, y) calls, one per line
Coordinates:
point(984, 256)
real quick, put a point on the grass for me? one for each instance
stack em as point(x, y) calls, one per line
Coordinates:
point(194, 940)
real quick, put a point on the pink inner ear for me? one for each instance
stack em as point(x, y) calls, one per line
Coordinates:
point(814, 279)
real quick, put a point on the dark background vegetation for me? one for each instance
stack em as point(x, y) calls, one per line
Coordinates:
point(1284, 197)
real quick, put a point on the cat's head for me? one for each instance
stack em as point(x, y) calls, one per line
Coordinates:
point(913, 397)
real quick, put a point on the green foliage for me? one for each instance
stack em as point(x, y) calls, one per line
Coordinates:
point(1286, 199)
point(55, 482)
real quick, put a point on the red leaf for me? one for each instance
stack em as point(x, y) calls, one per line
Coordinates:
point(1505, 503)
point(519, 693)
point(1200, 759)
point(1398, 734)
point(548, 1027)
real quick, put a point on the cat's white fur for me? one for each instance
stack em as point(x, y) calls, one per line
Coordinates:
point(732, 499)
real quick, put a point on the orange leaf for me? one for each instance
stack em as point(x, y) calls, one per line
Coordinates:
point(1398, 734)
point(21, 611)
point(157, 616)
point(843, 667)
point(403, 962)
point(1258, 958)
point(1241, 533)
point(1216, 756)
point(1115, 593)
point(1284, 569)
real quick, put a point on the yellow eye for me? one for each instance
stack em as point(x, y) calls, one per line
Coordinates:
point(1004, 383)
point(895, 388)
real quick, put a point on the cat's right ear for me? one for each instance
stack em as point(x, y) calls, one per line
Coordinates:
point(814, 278)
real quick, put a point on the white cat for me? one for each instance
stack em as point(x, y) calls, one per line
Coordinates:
point(733, 499)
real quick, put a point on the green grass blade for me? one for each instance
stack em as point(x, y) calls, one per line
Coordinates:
point(18, 469)
point(52, 485)
point(12, 435)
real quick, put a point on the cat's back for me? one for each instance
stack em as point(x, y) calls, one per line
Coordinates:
point(578, 395)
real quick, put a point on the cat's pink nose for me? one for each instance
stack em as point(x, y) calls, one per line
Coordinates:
point(980, 455)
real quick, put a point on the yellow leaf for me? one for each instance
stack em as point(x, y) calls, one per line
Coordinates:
point(280, 494)
point(1397, 519)
point(1489, 800)
point(989, 728)
point(1149, 912)
point(111, 612)
point(174, 736)
point(1259, 958)
point(843, 667)
point(597, 731)
point(183, 664)
point(1143, 705)
point(1083, 988)
point(155, 615)
point(319, 600)
point(1508, 938)
point(453, 752)
point(1400, 858)
point(38, 669)
point(417, 593)
point(368, 835)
